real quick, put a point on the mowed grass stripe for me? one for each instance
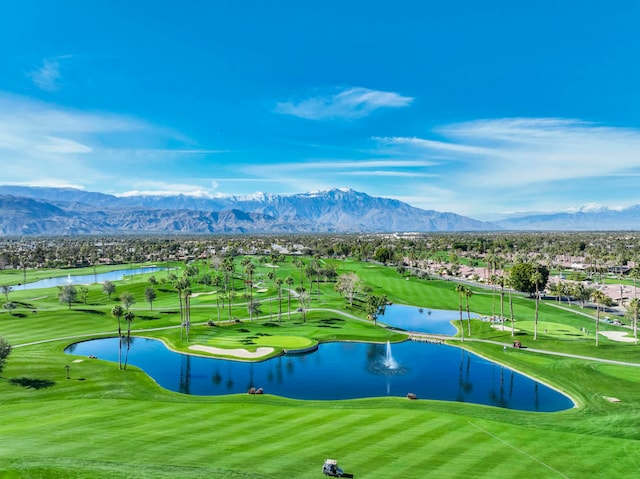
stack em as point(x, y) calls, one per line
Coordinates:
point(412, 445)
point(285, 436)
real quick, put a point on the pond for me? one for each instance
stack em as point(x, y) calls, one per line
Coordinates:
point(341, 370)
point(422, 320)
point(88, 278)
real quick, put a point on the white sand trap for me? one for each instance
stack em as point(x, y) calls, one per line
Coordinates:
point(269, 265)
point(506, 327)
point(77, 360)
point(610, 399)
point(238, 353)
point(618, 336)
point(262, 290)
point(195, 295)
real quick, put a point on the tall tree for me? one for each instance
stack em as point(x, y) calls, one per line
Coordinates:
point(5, 350)
point(347, 284)
point(150, 296)
point(536, 279)
point(278, 283)
point(9, 306)
point(83, 292)
point(599, 298)
point(249, 270)
point(303, 300)
point(117, 312)
point(289, 281)
point(128, 317)
point(6, 289)
point(127, 300)
point(109, 288)
point(217, 283)
point(511, 316)
point(375, 306)
point(632, 313)
point(467, 294)
point(67, 294)
point(460, 290)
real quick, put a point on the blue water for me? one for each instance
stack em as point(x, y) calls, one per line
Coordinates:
point(88, 278)
point(340, 370)
point(422, 320)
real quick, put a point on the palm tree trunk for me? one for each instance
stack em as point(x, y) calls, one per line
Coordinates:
point(513, 331)
point(597, 320)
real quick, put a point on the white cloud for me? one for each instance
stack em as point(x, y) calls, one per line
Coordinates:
point(349, 104)
point(46, 77)
point(41, 143)
point(527, 151)
point(435, 146)
point(390, 173)
point(62, 145)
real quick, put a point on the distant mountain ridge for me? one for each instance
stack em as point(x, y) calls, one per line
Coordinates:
point(69, 211)
point(589, 218)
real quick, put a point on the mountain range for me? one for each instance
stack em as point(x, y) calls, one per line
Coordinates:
point(68, 211)
point(26, 210)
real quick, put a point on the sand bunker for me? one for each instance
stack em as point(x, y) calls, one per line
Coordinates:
point(238, 353)
point(195, 295)
point(618, 336)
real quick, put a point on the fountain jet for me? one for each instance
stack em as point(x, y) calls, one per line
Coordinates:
point(389, 362)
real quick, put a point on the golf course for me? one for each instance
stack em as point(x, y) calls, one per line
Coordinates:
point(70, 416)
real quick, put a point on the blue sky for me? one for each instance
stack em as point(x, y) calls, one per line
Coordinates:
point(480, 108)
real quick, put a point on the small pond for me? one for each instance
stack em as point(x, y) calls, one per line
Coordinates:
point(88, 278)
point(422, 320)
point(341, 370)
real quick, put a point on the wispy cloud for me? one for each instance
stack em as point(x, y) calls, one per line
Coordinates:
point(528, 151)
point(65, 146)
point(391, 173)
point(432, 145)
point(347, 104)
point(47, 75)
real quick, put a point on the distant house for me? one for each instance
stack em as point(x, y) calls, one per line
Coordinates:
point(618, 269)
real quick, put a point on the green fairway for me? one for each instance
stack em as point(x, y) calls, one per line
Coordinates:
point(106, 423)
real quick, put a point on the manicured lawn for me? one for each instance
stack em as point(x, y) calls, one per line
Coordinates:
point(106, 423)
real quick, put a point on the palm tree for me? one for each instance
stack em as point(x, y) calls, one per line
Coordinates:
point(599, 298)
point(217, 283)
point(128, 317)
point(467, 294)
point(249, 270)
point(303, 298)
point(635, 275)
point(502, 282)
point(279, 286)
point(289, 281)
point(511, 317)
point(298, 263)
point(187, 308)
point(536, 279)
point(182, 286)
point(632, 313)
point(460, 290)
point(117, 311)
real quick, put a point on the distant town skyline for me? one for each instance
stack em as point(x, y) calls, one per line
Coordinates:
point(479, 108)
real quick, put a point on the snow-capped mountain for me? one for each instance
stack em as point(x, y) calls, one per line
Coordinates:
point(36, 210)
